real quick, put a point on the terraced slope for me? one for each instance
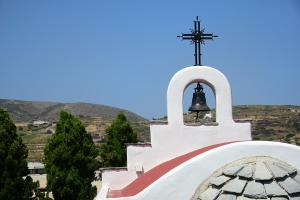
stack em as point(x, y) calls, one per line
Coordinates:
point(269, 122)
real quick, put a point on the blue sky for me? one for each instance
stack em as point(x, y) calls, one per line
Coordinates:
point(124, 53)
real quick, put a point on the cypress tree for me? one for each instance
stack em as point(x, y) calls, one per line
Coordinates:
point(70, 161)
point(113, 151)
point(14, 182)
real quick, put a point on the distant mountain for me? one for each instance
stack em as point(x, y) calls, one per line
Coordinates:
point(95, 117)
point(268, 122)
point(24, 111)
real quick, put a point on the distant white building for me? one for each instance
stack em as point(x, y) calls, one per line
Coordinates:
point(36, 168)
point(39, 123)
point(97, 138)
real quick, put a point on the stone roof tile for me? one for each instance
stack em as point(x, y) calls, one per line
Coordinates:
point(255, 190)
point(295, 198)
point(219, 180)
point(276, 171)
point(297, 178)
point(287, 168)
point(210, 194)
point(273, 189)
point(262, 172)
point(290, 185)
point(247, 198)
point(232, 171)
point(279, 198)
point(246, 172)
point(226, 197)
point(235, 186)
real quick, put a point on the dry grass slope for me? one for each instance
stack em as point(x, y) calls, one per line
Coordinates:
point(273, 123)
point(96, 119)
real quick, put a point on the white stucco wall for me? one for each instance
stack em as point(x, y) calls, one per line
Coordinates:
point(181, 182)
point(175, 139)
point(204, 74)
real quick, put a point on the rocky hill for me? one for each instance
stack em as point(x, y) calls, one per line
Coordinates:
point(274, 123)
point(268, 122)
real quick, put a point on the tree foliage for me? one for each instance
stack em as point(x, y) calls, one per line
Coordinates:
point(113, 151)
point(14, 182)
point(70, 161)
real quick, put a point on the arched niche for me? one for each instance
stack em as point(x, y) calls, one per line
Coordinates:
point(205, 117)
point(210, 76)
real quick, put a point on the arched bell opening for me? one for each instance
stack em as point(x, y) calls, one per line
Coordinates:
point(199, 103)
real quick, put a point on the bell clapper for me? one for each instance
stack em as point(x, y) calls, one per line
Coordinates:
point(197, 116)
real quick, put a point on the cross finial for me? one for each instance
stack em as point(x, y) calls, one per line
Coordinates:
point(197, 37)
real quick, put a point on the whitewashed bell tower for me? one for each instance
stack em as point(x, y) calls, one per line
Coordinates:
point(180, 158)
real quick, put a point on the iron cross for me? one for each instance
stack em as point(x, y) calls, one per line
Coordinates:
point(197, 37)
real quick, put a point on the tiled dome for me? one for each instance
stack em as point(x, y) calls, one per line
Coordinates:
point(252, 178)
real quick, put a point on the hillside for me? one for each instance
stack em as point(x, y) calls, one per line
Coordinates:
point(96, 119)
point(29, 110)
point(274, 123)
point(268, 122)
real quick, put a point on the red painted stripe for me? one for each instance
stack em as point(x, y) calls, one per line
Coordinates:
point(155, 173)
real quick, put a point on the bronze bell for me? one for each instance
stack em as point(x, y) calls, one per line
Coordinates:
point(199, 101)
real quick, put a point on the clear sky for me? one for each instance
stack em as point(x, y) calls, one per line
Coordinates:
point(124, 53)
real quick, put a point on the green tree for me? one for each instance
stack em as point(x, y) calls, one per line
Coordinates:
point(113, 151)
point(70, 161)
point(14, 182)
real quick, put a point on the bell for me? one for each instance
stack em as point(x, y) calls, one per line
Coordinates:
point(199, 101)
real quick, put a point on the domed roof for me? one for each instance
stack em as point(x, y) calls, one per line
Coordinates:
point(252, 178)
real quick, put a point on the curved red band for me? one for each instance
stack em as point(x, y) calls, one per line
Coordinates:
point(155, 173)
